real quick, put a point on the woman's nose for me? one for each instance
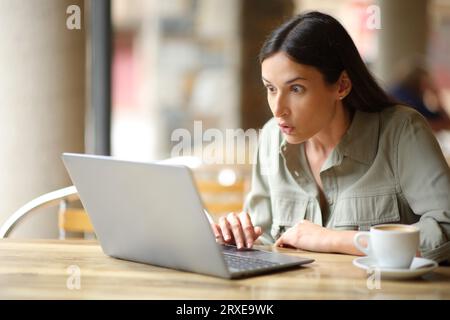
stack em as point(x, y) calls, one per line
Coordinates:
point(279, 107)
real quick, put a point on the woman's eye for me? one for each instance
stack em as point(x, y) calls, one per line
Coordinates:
point(297, 89)
point(270, 89)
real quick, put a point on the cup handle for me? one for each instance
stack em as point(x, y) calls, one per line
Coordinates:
point(358, 245)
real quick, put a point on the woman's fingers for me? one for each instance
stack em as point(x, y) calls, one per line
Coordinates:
point(226, 229)
point(258, 232)
point(279, 242)
point(248, 229)
point(284, 240)
point(217, 233)
point(237, 229)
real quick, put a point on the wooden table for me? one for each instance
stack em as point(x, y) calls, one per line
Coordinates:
point(41, 269)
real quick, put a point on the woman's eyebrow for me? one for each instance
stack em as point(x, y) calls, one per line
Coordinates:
point(287, 82)
point(295, 79)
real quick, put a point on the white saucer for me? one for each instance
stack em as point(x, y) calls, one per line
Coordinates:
point(419, 266)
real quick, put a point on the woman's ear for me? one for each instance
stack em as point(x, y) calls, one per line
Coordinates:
point(345, 85)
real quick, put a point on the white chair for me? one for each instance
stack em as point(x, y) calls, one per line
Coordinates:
point(70, 219)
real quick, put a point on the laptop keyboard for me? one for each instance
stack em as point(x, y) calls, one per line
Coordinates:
point(243, 263)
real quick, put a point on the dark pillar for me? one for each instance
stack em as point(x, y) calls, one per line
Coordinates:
point(258, 18)
point(98, 139)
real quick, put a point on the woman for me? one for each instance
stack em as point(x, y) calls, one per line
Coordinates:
point(338, 156)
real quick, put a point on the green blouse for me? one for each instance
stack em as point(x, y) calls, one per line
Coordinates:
point(387, 168)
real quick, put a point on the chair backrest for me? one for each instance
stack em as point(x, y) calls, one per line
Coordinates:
point(222, 187)
point(70, 219)
point(221, 199)
point(74, 221)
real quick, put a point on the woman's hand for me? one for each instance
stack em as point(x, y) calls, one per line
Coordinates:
point(307, 236)
point(236, 229)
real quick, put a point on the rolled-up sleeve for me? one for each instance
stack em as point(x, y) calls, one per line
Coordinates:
point(424, 177)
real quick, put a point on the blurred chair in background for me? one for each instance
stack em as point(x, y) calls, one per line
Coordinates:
point(221, 199)
point(72, 219)
point(222, 188)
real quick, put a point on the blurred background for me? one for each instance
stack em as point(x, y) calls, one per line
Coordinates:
point(136, 70)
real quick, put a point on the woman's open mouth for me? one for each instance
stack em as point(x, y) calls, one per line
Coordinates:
point(286, 129)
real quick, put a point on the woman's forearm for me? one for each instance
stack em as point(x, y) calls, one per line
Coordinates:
point(342, 242)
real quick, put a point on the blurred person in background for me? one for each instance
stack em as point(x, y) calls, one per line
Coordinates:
point(415, 87)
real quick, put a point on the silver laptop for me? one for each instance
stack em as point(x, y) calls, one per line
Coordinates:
point(152, 213)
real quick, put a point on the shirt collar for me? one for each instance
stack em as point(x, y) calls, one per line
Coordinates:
point(360, 142)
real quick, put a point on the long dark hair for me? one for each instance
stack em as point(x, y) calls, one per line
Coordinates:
point(319, 40)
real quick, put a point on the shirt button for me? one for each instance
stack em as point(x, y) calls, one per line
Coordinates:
point(330, 200)
point(296, 173)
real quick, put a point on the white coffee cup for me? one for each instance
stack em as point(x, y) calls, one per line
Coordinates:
point(390, 245)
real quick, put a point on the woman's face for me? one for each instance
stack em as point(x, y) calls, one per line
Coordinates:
point(301, 101)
